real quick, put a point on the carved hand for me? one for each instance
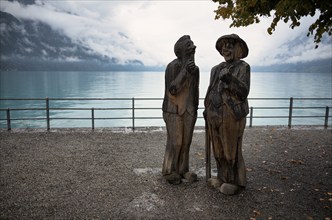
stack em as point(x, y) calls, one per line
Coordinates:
point(226, 74)
point(226, 78)
point(190, 66)
point(172, 90)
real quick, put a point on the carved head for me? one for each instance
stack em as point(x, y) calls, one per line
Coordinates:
point(184, 47)
point(232, 47)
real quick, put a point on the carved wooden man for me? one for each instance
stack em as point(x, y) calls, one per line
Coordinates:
point(226, 107)
point(180, 110)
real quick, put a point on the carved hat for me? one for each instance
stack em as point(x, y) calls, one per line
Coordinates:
point(241, 43)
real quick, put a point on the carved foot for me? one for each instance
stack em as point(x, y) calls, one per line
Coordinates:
point(173, 178)
point(214, 182)
point(229, 189)
point(190, 177)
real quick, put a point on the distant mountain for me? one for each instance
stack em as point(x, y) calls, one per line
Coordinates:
point(34, 45)
point(24, 2)
point(316, 66)
point(31, 45)
point(287, 53)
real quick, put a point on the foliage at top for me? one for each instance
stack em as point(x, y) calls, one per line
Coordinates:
point(247, 12)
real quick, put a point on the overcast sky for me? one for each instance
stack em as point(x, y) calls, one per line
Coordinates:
point(148, 30)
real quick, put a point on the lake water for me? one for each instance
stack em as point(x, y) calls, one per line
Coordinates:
point(18, 84)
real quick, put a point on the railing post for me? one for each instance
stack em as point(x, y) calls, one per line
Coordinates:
point(93, 118)
point(326, 117)
point(251, 115)
point(9, 127)
point(48, 113)
point(290, 112)
point(133, 112)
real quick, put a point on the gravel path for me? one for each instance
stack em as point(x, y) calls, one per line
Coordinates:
point(116, 174)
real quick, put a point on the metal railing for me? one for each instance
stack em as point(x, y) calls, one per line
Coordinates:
point(46, 110)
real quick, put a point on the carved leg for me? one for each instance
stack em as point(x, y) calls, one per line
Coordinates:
point(173, 147)
point(188, 129)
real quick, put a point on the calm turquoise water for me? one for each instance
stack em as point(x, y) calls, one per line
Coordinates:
point(149, 85)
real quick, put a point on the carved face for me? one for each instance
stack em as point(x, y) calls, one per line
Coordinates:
point(189, 48)
point(184, 48)
point(228, 50)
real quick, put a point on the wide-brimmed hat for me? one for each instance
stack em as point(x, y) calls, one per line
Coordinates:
point(242, 44)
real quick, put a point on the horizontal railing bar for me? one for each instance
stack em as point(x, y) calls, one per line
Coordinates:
point(269, 117)
point(141, 118)
point(305, 107)
point(43, 109)
point(22, 99)
point(309, 116)
point(140, 108)
point(106, 109)
point(23, 109)
point(309, 107)
point(148, 108)
point(27, 109)
point(312, 98)
point(298, 116)
point(288, 99)
point(70, 118)
point(129, 99)
point(63, 99)
point(126, 118)
point(284, 107)
point(150, 99)
point(156, 108)
point(90, 109)
point(90, 99)
point(148, 117)
point(89, 118)
point(61, 118)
